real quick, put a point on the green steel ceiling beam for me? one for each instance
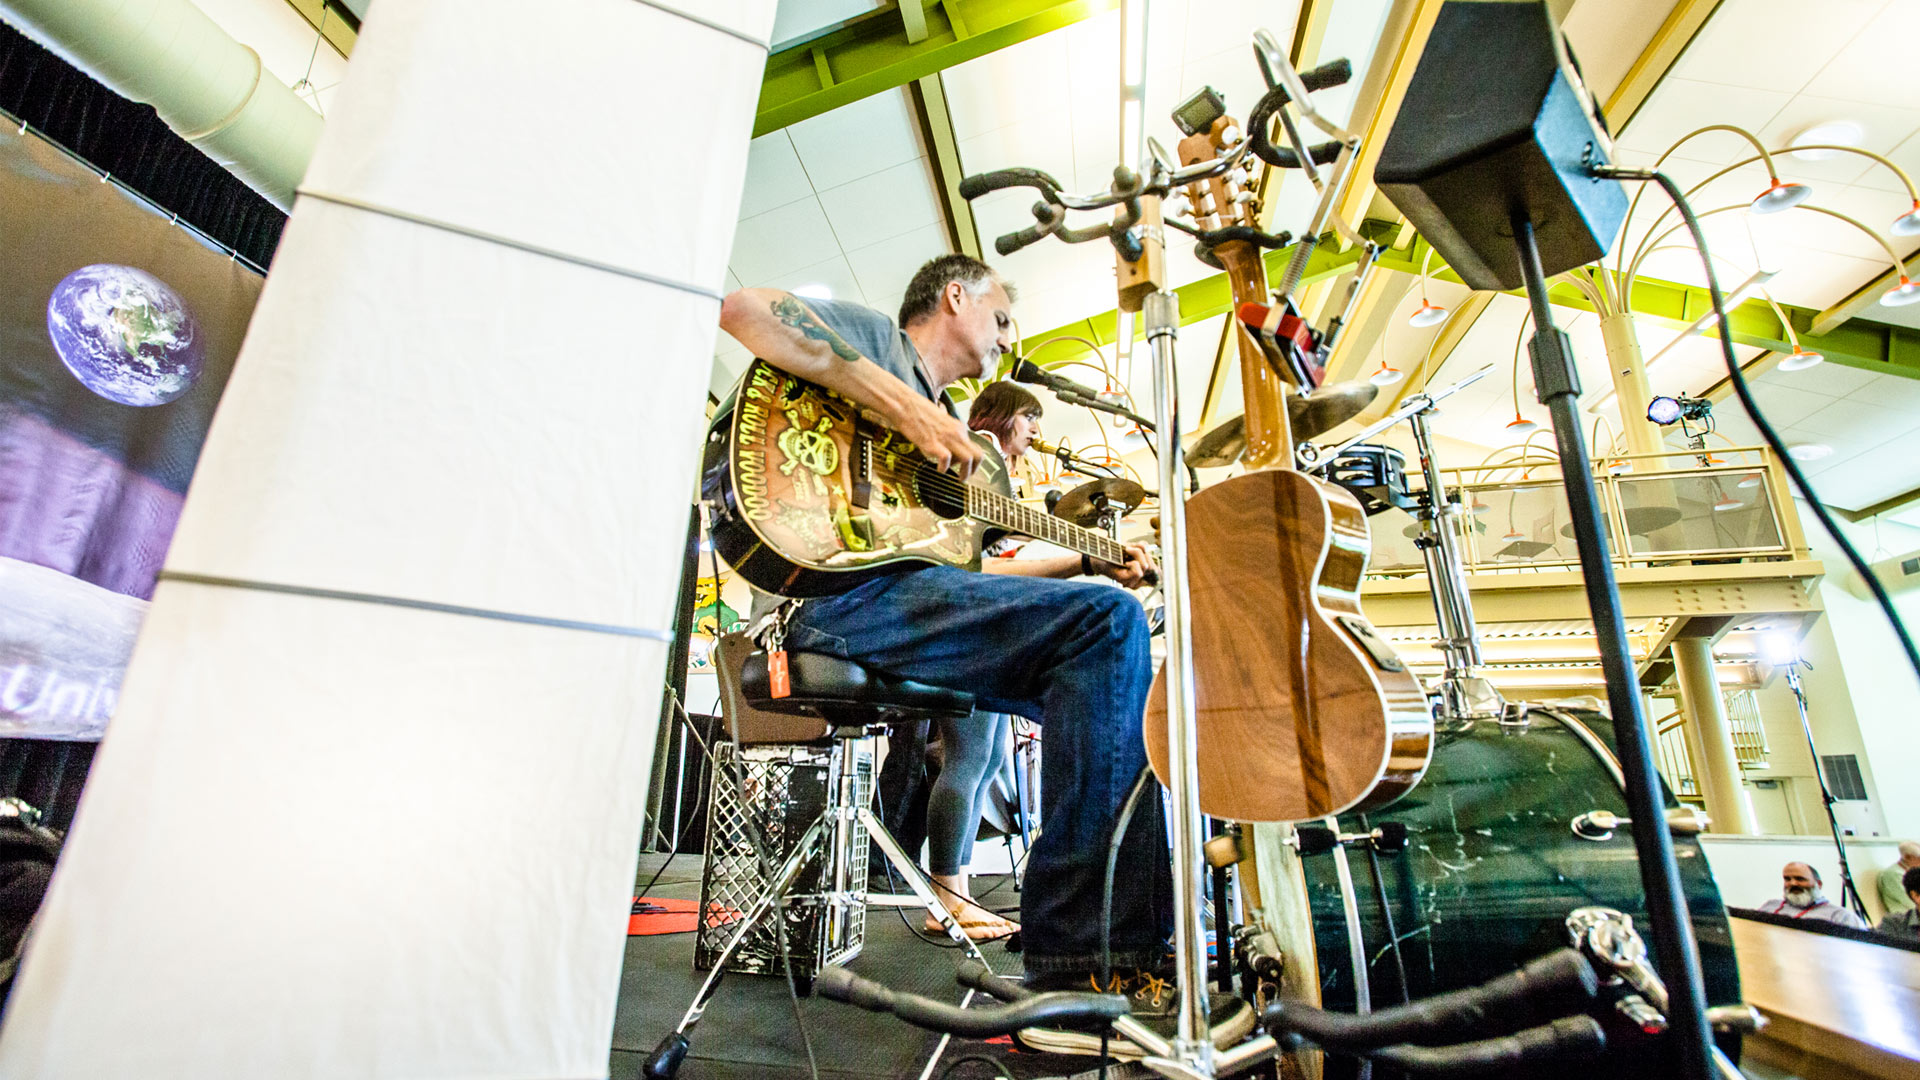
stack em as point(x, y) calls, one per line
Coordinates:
point(874, 54)
point(1857, 343)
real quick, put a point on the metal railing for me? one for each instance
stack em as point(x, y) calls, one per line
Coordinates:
point(1673, 509)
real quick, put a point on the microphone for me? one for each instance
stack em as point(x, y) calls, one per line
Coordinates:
point(1026, 371)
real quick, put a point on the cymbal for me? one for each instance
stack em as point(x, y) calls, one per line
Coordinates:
point(1081, 506)
point(1328, 407)
point(1307, 417)
point(1220, 445)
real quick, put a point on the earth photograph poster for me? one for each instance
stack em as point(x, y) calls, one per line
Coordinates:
point(118, 330)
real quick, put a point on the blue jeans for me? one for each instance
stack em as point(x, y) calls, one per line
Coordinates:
point(1073, 657)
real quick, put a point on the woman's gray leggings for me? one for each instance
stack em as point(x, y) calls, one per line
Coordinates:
point(973, 748)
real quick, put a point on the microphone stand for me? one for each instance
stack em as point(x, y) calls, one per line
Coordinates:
point(1849, 892)
point(1557, 382)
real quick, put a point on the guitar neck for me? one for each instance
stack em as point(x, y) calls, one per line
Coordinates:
point(1014, 516)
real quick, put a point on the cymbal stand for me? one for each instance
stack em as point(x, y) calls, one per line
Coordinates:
point(1464, 696)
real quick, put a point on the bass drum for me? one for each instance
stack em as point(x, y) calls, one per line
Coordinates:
point(1491, 869)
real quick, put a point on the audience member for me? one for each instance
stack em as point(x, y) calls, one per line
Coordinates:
point(1802, 899)
point(1893, 893)
point(1905, 924)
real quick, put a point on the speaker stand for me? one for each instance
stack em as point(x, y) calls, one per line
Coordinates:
point(1677, 958)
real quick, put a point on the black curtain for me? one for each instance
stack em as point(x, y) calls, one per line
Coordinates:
point(135, 146)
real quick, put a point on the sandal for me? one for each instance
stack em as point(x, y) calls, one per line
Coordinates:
point(976, 929)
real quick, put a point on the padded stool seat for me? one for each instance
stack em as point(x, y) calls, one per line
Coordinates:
point(845, 693)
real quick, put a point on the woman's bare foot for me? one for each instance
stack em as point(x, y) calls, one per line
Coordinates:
point(975, 921)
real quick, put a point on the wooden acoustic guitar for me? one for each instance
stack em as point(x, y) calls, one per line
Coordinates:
point(813, 496)
point(1302, 709)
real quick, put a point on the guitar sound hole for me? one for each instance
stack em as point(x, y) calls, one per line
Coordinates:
point(942, 493)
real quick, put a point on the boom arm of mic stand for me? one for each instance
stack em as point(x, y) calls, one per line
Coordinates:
point(1414, 403)
point(1097, 405)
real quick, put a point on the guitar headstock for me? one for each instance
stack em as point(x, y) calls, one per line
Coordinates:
point(1225, 200)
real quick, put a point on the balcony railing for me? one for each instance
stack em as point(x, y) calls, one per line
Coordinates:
point(1672, 508)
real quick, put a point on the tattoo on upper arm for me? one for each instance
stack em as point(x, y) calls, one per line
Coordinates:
point(795, 314)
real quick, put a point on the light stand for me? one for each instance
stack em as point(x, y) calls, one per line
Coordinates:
point(1849, 892)
point(1557, 383)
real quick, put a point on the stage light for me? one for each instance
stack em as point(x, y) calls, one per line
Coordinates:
point(1751, 480)
point(1779, 196)
point(1386, 376)
point(1725, 503)
point(1799, 360)
point(1902, 294)
point(1808, 451)
point(1778, 647)
point(1427, 314)
point(1907, 224)
point(1665, 410)
point(1520, 425)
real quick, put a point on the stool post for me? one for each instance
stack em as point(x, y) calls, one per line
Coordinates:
point(845, 810)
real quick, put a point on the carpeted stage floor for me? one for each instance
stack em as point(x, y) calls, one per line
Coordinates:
point(749, 1030)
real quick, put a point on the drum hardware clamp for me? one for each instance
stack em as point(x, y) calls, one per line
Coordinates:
point(1389, 838)
point(1260, 952)
point(1600, 824)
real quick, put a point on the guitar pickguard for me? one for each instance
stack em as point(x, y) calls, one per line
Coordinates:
point(829, 490)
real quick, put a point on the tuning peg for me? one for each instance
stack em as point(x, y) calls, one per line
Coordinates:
point(1237, 177)
point(1180, 206)
point(1243, 196)
point(1230, 136)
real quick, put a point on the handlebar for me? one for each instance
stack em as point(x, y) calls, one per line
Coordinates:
point(979, 184)
point(1569, 1036)
point(1032, 1010)
point(1541, 989)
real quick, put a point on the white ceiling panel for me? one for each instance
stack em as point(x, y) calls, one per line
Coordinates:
point(1884, 125)
point(780, 241)
point(1826, 380)
point(883, 205)
point(883, 269)
point(1848, 416)
point(1774, 44)
point(775, 176)
point(1679, 106)
point(1891, 391)
point(1877, 65)
point(858, 139)
point(833, 277)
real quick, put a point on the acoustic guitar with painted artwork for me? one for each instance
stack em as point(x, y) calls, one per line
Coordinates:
point(812, 495)
point(1302, 710)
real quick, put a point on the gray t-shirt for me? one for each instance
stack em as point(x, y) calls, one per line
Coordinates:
point(882, 342)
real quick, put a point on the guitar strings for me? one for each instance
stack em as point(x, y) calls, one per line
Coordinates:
point(928, 476)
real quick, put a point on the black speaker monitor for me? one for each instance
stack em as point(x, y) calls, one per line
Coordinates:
point(1497, 122)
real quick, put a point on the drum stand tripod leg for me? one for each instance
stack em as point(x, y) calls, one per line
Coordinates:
point(665, 1060)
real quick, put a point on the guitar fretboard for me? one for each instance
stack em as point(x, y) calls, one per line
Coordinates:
point(1017, 517)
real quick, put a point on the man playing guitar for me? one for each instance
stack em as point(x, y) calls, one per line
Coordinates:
point(1071, 655)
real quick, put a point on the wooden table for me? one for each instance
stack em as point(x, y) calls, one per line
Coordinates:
point(1836, 1008)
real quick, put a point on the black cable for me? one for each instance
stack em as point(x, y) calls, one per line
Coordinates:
point(1106, 896)
point(999, 1069)
point(706, 754)
point(1386, 914)
point(768, 871)
point(1767, 432)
